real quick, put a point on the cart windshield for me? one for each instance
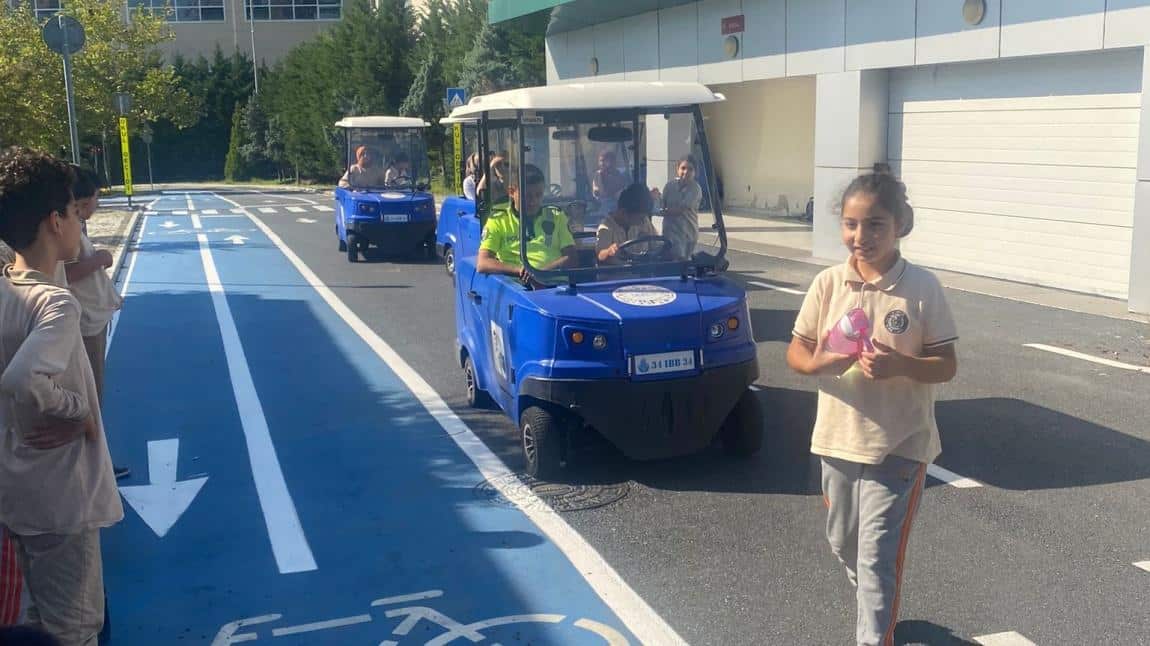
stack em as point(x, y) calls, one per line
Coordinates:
point(605, 195)
point(387, 159)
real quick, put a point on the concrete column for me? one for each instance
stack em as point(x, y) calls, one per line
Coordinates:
point(1140, 249)
point(851, 112)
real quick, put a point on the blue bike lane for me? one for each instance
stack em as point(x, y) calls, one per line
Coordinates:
point(373, 533)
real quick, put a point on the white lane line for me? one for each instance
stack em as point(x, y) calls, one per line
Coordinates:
point(210, 212)
point(238, 211)
point(321, 625)
point(951, 478)
point(287, 195)
point(1009, 638)
point(115, 322)
point(777, 288)
point(267, 209)
point(321, 207)
point(1142, 565)
point(188, 197)
point(196, 222)
point(407, 598)
point(647, 626)
point(1087, 357)
point(289, 544)
point(297, 209)
point(179, 212)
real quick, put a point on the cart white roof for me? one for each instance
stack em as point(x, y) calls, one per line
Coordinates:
point(589, 96)
point(381, 122)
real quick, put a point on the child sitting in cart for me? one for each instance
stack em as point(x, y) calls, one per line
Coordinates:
point(631, 221)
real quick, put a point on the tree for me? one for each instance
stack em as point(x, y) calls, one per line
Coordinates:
point(235, 166)
point(427, 90)
point(118, 57)
point(488, 66)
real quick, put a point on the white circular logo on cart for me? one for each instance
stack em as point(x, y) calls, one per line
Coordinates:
point(644, 295)
point(392, 196)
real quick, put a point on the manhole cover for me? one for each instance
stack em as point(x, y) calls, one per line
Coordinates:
point(516, 490)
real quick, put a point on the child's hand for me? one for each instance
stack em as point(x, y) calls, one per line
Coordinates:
point(104, 257)
point(826, 362)
point(57, 432)
point(883, 363)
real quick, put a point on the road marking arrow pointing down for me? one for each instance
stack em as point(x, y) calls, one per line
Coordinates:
point(161, 503)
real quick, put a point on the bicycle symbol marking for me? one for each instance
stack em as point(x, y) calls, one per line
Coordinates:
point(411, 616)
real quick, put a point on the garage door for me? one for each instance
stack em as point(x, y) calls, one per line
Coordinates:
point(1022, 169)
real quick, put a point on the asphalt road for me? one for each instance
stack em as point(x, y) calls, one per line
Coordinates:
point(732, 552)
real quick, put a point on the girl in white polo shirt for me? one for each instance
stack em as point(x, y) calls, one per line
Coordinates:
point(878, 333)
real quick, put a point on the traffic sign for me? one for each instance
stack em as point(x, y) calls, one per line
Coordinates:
point(63, 35)
point(123, 103)
point(456, 96)
point(126, 156)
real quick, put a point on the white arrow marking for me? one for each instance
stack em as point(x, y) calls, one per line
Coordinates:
point(236, 239)
point(161, 503)
point(168, 224)
point(305, 220)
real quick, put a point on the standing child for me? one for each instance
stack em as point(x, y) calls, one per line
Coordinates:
point(88, 279)
point(56, 484)
point(680, 200)
point(893, 337)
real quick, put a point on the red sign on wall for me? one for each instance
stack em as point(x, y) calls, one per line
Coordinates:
point(734, 25)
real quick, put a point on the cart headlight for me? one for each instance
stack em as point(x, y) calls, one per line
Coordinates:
point(599, 342)
point(717, 330)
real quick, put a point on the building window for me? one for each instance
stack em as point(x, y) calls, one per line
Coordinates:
point(180, 10)
point(46, 9)
point(293, 9)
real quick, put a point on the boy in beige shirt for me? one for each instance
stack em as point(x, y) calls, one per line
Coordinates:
point(56, 484)
point(878, 332)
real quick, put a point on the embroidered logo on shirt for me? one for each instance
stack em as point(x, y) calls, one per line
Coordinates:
point(896, 322)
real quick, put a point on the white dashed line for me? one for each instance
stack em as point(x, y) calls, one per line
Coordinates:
point(296, 209)
point(1010, 638)
point(951, 478)
point(267, 209)
point(238, 211)
point(777, 288)
point(210, 212)
point(1142, 565)
point(1087, 357)
point(180, 212)
point(321, 207)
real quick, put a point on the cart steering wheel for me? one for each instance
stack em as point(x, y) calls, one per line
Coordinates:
point(555, 190)
point(652, 253)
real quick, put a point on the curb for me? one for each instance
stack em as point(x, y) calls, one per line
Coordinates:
point(122, 248)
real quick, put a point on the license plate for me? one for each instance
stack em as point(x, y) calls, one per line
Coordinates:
point(395, 217)
point(658, 364)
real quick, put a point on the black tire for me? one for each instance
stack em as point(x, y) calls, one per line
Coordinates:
point(342, 245)
point(449, 260)
point(742, 431)
point(352, 247)
point(541, 437)
point(476, 397)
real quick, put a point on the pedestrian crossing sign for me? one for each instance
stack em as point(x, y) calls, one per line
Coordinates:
point(456, 96)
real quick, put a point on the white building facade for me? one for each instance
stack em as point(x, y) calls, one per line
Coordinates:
point(1020, 126)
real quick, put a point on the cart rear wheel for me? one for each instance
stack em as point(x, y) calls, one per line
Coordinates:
point(742, 431)
point(352, 247)
point(476, 397)
point(449, 260)
point(541, 436)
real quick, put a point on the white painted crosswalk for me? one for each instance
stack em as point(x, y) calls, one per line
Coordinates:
point(270, 210)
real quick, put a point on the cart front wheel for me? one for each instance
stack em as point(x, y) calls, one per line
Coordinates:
point(476, 397)
point(742, 431)
point(542, 439)
point(352, 247)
